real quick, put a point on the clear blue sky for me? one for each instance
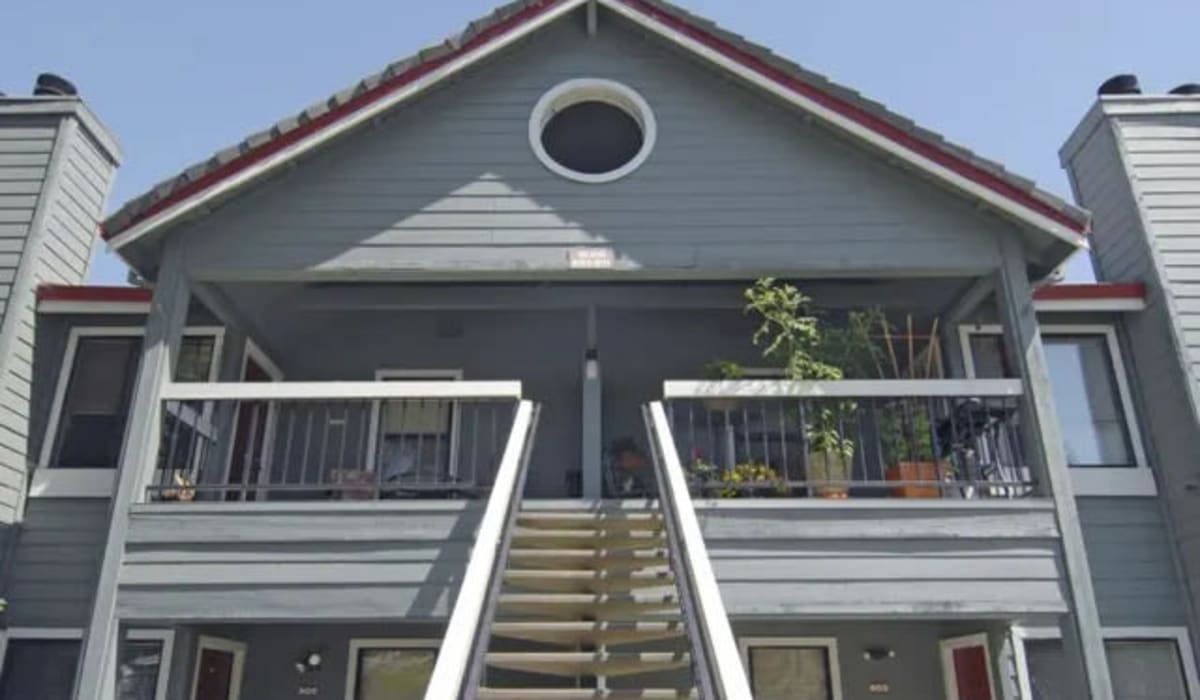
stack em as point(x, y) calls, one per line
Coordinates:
point(178, 80)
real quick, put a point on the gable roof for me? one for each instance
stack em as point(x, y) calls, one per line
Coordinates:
point(844, 109)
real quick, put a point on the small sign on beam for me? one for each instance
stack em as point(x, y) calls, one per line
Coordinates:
point(591, 259)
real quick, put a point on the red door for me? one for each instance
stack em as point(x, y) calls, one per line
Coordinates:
point(214, 675)
point(967, 668)
point(245, 463)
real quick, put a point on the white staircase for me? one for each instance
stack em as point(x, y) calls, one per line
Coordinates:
point(591, 599)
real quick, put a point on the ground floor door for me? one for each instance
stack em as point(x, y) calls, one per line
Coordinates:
point(967, 668)
point(219, 665)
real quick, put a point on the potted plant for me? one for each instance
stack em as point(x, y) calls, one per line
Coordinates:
point(700, 473)
point(722, 370)
point(751, 479)
point(790, 334)
point(906, 437)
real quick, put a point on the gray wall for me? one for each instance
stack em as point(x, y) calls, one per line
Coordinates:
point(54, 181)
point(1140, 176)
point(1137, 582)
point(55, 562)
point(735, 183)
point(863, 558)
point(275, 562)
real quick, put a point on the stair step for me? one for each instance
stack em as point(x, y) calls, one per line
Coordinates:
point(584, 581)
point(585, 694)
point(525, 538)
point(611, 522)
point(572, 633)
point(573, 606)
point(587, 559)
point(569, 664)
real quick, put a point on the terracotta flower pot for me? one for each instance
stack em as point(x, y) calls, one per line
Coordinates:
point(918, 471)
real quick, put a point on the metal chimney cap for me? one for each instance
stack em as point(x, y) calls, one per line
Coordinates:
point(1186, 89)
point(49, 84)
point(1122, 84)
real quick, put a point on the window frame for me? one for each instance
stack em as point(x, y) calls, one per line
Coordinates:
point(91, 483)
point(1178, 635)
point(376, 433)
point(1133, 480)
point(829, 644)
point(357, 644)
point(38, 634)
point(167, 637)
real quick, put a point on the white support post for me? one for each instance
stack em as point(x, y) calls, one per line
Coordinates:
point(96, 676)
point(1082, 638)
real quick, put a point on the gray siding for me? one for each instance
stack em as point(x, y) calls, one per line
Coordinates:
point(449, 183)
point(1140, 176)
point(1132, 563)
point(365, 561)
point(26, 143)
point(54, 180)
point(878, 558)
point(55, 562)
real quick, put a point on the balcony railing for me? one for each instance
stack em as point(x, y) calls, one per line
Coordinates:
point(331, 440)
point(853, 438)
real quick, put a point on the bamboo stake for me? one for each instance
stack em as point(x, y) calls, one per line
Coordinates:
point(933, 347)
point(887, 336)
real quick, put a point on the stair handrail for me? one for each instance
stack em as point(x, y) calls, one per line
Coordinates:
point(460, 659)
point(716, 660)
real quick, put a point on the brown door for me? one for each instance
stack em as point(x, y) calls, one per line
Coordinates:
point(967, 668)
point(249, 436)
point(214, 675)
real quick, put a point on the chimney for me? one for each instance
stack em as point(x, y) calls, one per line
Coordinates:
point(51, 85)
point(1123, 84)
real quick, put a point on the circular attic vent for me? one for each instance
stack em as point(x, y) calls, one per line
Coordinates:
point(592, 130)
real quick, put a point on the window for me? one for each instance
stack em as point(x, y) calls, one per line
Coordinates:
point(144, 665)
point(39, 668)
point(1140, 669)
point(87, 420)
point(1085, 395)
point(383, 669)
point(1091, 398)
point(592, 130)
point(792, 669)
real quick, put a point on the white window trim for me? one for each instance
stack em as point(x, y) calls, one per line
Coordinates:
point(1137, 480)
point(450, 375)
point(167, 637)
point(92, 483)
point(253, 351)
point(360, 643)
point(35, 633)
point(829, 644)
point(574, 91)
point(1179, 635)
point(238, 649)
point(946, 649)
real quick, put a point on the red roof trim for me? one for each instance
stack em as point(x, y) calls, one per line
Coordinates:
point(1108, 290)
point(98, 294)
point(352, 105)
point(860, 116)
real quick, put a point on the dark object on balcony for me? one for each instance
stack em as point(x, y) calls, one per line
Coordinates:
point(1186, 89)
point(1123, 84)
point(51, 85)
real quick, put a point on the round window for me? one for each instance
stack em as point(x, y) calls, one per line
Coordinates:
point(592, 130)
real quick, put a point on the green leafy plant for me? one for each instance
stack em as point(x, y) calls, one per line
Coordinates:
point(905, 433)
point(723, 369)
point(744, 479)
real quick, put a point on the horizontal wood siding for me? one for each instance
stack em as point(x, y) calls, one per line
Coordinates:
point(320, 562)
point(1137, 235)
point(26, 143)
point(55, 562)
point(450, 183)
point(830, 560)
point(1132, 563)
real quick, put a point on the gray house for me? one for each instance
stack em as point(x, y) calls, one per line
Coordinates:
point(420, 400)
